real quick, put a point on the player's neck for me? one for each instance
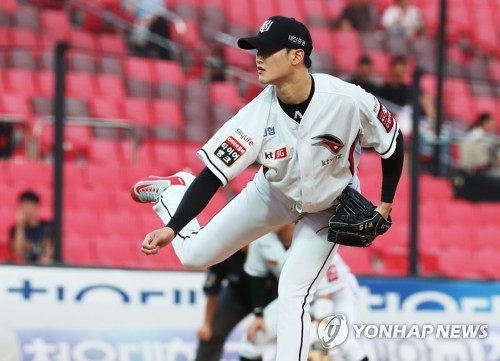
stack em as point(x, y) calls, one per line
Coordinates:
point(296, 89)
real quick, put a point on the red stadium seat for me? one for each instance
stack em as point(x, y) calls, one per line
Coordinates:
point(138, 111)
point(292, 8)
point(486, 236)
point(494, 70)
point(486, 262)
point(225, 94)
point(107, 176)
point(455, 236)
point(82, 62)
point(139, 88)
point(75, 176)
point(76, 141)
point(239, 12)
point(110, 86)
point(26, 17)
point(167, 113)
point(263, 10)
point(80, 85)
point(44, 80)
point(485, 105)
point(22, 59)
point(110, 65)
point(488, 212)
point(15, 104)
point(168, 157)
point(82, 40)
point(394, 262)
point(138, 68)
point(457, 263)
point(110, 43)
point(437, 189)
point(22, 174)
point(80, 221)
point(78, 250)
point(316, 11)
point(486, 34)
point(167, 71)
point(381, 61)
point(238, 58)
point(104, 152)
point(24, 38)
point(322, 37)
point(55, 22)
point(430, 13)
point(347, 50)
point(93, 200)
point(9, 5)
point(20, 81)
point(76, 107)
point(360, 261)
point(106, 108)
point(112, 251)
point(458, 100)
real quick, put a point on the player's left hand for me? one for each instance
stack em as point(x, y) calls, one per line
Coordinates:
point(257, 325)
point(157, 239)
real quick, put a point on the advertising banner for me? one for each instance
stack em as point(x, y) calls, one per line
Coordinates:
point(79, 314)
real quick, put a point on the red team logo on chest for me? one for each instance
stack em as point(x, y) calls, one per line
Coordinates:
point(330, 141)
point(385, 117)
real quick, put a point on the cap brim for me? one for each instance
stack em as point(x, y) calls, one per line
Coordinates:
point(258, 42)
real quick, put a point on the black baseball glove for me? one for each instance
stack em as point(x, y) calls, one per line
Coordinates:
point(356, 223)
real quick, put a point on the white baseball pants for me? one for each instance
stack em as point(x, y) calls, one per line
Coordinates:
point(258, 209)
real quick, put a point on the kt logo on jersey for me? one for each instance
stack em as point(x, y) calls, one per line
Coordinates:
point(333, 143)
point(276, 154)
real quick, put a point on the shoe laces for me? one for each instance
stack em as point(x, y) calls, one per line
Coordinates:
point(150, 193)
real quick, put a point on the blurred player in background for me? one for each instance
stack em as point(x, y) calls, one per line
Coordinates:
point(226, 306)
point(336, 294)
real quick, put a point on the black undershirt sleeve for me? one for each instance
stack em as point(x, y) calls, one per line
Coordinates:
point(391, 170)
point(196, 198)
point(258, 290)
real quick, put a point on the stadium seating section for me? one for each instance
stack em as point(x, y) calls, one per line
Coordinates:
point(173, 109)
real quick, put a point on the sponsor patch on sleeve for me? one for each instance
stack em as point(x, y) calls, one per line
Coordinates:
point(243, 137)
point(385, 117)
point(230, 151)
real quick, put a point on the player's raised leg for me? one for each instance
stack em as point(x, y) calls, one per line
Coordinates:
point(236, 225)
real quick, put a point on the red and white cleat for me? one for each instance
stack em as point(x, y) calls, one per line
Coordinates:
point(150, 188)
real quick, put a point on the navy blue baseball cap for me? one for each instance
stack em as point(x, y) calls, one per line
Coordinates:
point(279, 32)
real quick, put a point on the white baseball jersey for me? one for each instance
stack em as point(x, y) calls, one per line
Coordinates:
point(267, 255)
point(311, 162)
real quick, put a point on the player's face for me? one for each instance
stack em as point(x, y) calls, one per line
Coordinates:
point(273, 66)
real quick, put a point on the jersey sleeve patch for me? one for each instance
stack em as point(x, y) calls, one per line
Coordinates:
point(230, 151)
point(385, 117)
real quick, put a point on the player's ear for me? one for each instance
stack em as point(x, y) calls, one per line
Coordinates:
point(298, 56)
